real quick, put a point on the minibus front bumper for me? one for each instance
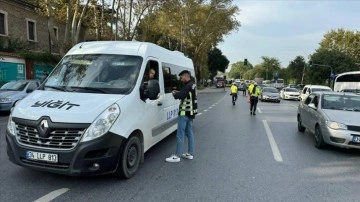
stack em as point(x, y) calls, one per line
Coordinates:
point(98, 156)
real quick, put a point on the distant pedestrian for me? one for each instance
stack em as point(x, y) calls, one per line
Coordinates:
point(187, 112)
point(254, 92)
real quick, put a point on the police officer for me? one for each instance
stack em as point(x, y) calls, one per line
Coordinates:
point(254, 92)
point(234, 92)
point(187, 112)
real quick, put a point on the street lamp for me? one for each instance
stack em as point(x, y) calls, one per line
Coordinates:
point(321, 65)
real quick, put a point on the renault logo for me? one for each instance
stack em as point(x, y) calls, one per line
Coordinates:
point(44, 125)
point(43, 128)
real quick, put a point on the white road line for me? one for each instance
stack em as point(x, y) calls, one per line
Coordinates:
point(210, 107)
point(205, 110)
point(259, 110)
point(52, 195)
point(199, 114)
point(214, 105)
point(274, 147)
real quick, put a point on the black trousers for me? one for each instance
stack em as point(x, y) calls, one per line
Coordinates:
point(253, 103)
point(234, 96)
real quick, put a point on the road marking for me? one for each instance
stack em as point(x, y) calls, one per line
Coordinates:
point(273, 145)
point(199, 114)
point(214, 105)
point(205, 110)
point(52, 195)
point(259, 110)
point(210, 107)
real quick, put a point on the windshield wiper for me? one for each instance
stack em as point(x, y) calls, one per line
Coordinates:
point(60, 88)
point(89, 89)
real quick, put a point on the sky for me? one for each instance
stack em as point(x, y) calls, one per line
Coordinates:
point(286, 29)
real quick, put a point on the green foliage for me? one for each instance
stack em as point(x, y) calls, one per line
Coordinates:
point(294, 71)
point(345, 41)
point(238, 69)
point(324, 60)
point(13, 44)
point(45, 58)
point(217, 61)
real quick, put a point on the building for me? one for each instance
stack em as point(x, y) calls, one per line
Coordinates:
point(21, 27)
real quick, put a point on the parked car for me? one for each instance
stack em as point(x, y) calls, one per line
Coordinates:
point(270, 94)
point(289, 94)
point(333, 118)
point(312, 88)
point(13, 91)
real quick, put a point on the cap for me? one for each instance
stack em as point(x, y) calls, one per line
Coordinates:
point(255, 83)
point(185, 72)
point(233, 83)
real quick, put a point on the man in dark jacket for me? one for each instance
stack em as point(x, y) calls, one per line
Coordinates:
point(187, 112)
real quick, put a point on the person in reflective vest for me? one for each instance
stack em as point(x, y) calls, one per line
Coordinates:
point(187, 112)
point(234, 92)
point(254, 91)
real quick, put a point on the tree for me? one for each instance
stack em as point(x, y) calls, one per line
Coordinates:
point(217, 61)
point(323, 61)
point(238, 69)
point(270, 66)
point(345, 41)
point(295, 70)
point(190, 26)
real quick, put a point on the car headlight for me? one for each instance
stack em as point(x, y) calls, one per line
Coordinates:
point(102, 123)
point(336, 125)
point(265, 96)
point(5, 100)
point(11, 126)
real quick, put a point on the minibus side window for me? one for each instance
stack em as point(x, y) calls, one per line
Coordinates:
point(167, 79)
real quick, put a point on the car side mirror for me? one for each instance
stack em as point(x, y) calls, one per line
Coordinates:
point(29, 90)
point(154, 89)
point(312, 106)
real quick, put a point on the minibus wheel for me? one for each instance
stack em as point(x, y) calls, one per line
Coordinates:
point(130, 158)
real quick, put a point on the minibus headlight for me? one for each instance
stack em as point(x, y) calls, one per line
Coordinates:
point(102, 123)
point(11, 126)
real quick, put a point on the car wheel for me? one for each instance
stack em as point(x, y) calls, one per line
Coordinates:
point(319, 140)
point(130, 158)
point(301, 128)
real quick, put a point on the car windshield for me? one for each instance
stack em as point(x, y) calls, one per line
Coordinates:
point(270, 90)
point(115, 74)
point(14, 85)
point(341, 102)
point(291, 90)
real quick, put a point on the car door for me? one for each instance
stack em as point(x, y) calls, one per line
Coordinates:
point(305, 111)
point(313, 116)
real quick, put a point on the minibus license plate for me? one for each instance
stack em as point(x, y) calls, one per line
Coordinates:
point(53, 158)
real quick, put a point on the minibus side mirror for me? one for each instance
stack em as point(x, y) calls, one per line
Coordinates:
point(154, 89)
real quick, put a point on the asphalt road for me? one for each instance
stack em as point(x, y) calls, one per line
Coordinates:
point(238, 157)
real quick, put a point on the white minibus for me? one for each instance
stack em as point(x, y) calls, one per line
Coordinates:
point(98, 111)
point(348, 82)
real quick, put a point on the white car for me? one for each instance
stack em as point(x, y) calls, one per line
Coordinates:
point(290, 94)
point(312, 88)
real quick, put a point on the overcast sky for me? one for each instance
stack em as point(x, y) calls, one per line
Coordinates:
point(286, 29)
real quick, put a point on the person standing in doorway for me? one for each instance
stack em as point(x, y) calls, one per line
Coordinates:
point(187, 112)
point(254, 92)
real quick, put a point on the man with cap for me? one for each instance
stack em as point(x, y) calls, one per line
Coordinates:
point(187, 112)
point(254, 92)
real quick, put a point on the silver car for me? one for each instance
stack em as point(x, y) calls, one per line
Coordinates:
point(13, 91)
point(270, 94)
point(332, 117)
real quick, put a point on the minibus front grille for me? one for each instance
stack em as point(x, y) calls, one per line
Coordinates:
point(59, 139)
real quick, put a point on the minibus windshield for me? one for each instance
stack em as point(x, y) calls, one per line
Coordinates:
point(95, 73)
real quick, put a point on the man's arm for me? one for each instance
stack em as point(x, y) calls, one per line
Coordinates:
point(184, 92)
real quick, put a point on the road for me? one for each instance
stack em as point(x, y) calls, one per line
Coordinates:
point(238, 157)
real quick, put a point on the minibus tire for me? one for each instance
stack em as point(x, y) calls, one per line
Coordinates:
point(130, 158)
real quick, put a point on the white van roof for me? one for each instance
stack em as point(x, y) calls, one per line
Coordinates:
point(143, 49)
